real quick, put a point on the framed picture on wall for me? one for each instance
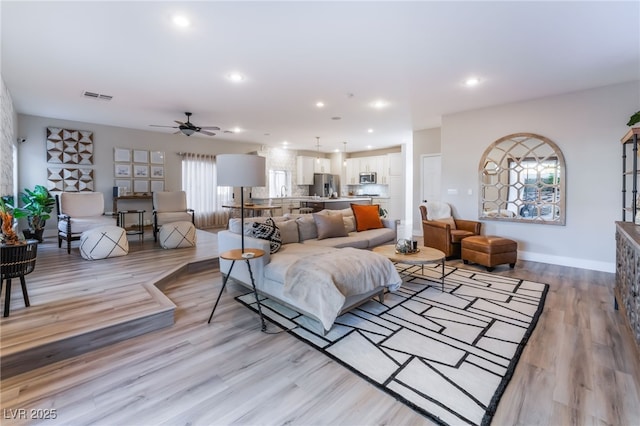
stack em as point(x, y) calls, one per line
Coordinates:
point(123, 183)
point(140, 156)
point(157, 157)
point(157, 172)
point(122, 170)
point(122, 155)
point(140, 171)
point(157, 185)
point(140, 186)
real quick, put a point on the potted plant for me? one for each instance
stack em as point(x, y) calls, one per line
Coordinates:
point(7, 233)
point(38, 204)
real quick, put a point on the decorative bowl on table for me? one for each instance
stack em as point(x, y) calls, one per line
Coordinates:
point(404, 246)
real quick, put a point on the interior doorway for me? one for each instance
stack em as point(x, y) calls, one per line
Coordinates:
point(431, 172)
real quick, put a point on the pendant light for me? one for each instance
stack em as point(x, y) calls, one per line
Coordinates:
point(344, 154)
point(318, 149)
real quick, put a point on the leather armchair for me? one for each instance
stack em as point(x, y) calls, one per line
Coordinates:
point(441, 231)
point(170, 207)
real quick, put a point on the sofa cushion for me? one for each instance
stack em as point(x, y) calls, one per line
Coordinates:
point(367, 216)
point(288, 231)
point(306, 228)
point(380, 236)
point(329, 226)
point(268, 231)
point(358, 240)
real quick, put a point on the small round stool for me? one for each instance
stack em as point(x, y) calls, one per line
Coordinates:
point(489, 251)
point(177, 235)
point(104, 242)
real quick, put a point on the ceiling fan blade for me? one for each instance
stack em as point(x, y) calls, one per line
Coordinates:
point(178, 132)
point(180, 122)
point(210, 127)
point(204, 132)
point(228, 131)
point(157, 125)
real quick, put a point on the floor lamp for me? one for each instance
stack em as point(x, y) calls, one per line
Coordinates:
point(241, 170)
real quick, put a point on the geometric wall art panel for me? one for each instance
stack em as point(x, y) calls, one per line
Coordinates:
point(70, 179)
point(66, 146)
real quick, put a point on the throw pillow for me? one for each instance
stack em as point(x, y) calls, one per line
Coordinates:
point(367, 216)
point(329, 226)
point(448, 220)
point(289, 231)
point(270, 232)
point(349, 222)
point(307, 228)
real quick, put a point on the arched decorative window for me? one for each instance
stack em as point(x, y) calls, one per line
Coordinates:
point(522, 179)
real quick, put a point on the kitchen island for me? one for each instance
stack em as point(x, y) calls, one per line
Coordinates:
point(318, 204)
point(293, 204)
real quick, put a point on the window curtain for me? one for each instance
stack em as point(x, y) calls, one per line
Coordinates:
point(203, 194)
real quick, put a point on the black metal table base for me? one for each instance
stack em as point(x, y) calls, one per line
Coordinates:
point(255, 292)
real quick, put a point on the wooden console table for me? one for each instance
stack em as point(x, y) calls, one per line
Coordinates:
point(128, 197)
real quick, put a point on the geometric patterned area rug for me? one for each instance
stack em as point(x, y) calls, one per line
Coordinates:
point(448, 355)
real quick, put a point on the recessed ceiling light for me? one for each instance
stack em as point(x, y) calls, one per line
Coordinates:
point(379, 104)
point(285, 142)
point(472, 81)
point(370, 131)
point(336, 150)
point(236, 77)
point(369, 147)
point(181, 21)
point(320, 104)
point(237, 130)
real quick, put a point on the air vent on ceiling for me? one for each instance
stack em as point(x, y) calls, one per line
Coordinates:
point(94, 95)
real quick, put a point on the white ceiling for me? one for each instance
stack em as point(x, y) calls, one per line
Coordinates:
point(413, 55)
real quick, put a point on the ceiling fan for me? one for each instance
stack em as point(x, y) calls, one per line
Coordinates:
point(189, 128)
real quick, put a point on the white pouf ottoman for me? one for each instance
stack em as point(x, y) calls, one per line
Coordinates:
point(104, 242)
point(177, 235)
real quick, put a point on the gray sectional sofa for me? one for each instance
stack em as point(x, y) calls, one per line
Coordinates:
point(303, 239)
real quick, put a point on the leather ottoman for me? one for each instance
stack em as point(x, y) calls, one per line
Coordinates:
point(489, 251)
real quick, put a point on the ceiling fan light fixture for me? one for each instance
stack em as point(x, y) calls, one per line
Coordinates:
point(188, 131)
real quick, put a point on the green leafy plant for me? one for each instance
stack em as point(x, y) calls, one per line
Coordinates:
point(38, 204)
point(635, 118)
point(7, 210)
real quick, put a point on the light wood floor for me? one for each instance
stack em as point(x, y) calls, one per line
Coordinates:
point(581, 366)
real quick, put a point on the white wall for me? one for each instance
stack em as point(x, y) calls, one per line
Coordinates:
point(32, 169)
point(8, 120)
point(426, 141)
point(587, 126)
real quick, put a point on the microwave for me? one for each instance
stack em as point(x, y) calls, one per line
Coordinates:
point(368, 177)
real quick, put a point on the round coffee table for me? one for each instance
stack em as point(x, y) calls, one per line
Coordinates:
point(422, 257)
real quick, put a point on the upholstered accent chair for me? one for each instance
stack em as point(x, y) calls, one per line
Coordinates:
point(441, 231)
point(79, 212)
point(168, 207)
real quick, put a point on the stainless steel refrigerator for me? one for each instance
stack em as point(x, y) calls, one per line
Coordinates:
point(324, 185)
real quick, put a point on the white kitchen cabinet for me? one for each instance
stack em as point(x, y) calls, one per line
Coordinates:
point(305, 169)
point(395, 164)
point(353, 171)
point(382, 165)
point(321, 165)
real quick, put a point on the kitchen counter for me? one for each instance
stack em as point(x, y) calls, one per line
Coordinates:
point(340, 203)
